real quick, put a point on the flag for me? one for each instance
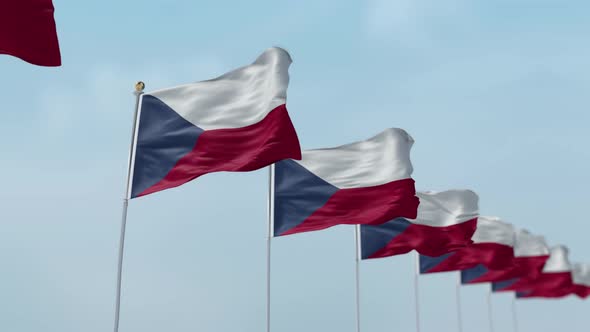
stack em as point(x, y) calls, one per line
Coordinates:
point(27, 31)
point(554, 281)
point(446, 221)
point(366, 182)
point(530, 254)
point(581, 279)
point(237, 122)
point(493, 246)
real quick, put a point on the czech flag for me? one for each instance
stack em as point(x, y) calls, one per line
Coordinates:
point(366, 182)
point(554, 281)
point(27, 31)
point(530, 254)
point(237, 122)
point(493, 246)
point(581, 279)
point(446, 221)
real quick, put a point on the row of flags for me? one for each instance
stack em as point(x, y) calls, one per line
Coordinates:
point(239, 122)
point(449, 235)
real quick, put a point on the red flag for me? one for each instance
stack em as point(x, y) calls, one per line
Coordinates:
point(27, 31)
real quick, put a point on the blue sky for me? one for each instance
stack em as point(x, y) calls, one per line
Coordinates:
point(494, 94)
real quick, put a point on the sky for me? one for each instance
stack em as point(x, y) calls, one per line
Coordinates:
point(494, 93)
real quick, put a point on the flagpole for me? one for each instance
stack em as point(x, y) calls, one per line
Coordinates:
point(357, 238)
point(139, 86)
point(271, 194)
point(416, 292)
point(458, 298)
point(514, 315)
point(491, 320)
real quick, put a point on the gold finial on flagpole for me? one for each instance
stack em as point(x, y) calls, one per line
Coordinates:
point(139, 86)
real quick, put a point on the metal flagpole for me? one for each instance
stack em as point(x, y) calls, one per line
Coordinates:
point(514, 315)
point(139, 86)
point(490, 310)
point(416, 293)
point(271, 193)
point(357, 237)
point(458, 298)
